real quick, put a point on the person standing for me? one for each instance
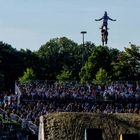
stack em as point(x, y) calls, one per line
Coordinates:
point(105, 19)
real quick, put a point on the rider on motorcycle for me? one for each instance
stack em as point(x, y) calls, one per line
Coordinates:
point(105, 19)
point(104, 34)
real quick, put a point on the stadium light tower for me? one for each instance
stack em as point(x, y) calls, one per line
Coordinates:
point(83, 33)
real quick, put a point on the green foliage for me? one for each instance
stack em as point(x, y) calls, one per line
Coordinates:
point(9, 66)
point(85, 74)
point(101, 76)
point(1, 81)
point(63, 59)
point(28, 76)
point(55, 54)
point(60, 52)
point(100, 57)
point(65, 75)
point(128, 65)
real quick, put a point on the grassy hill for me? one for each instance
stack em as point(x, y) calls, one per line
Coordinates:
point(71, 126)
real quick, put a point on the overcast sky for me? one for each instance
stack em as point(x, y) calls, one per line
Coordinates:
point(31, 23)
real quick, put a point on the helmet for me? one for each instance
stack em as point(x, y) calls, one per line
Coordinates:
point(105, 13)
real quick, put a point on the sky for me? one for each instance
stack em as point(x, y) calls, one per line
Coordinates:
point(28, 24)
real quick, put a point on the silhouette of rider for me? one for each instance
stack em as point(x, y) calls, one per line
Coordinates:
point(105, 19)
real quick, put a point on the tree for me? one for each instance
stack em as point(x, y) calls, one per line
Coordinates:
point(9, 66)
point(128, 65)
point(2, 82)
point(28, 76)
point(100, 58)
point(65, 75)
point(101, 76)
point(55, 54)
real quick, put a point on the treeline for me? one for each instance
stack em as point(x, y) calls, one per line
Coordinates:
point(62, 59)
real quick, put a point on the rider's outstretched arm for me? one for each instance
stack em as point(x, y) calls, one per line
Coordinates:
point(99, 19)
point(111, 19)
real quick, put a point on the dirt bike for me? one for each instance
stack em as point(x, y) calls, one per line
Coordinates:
point(104, 36)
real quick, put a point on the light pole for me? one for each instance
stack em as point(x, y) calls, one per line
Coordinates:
point(83, 33)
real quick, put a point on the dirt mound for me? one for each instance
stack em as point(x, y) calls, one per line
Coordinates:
point(71, 126)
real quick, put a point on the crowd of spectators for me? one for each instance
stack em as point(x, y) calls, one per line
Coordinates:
point(112, 92)
point(41, 98)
